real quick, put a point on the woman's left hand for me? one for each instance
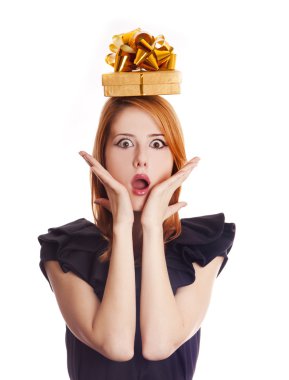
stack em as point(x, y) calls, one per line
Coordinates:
point(157, 209)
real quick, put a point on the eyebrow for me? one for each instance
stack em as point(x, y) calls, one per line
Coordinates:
point(129, 134)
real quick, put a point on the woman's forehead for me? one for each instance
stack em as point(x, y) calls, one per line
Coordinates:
point(132, 119)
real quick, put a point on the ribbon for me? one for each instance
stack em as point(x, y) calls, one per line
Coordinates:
point(138, 50)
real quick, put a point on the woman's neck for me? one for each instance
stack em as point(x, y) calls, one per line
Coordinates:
point(137, 233)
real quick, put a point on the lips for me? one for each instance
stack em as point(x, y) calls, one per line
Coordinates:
point(140, 184)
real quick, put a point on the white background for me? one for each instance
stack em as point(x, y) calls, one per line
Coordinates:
point(234, 111)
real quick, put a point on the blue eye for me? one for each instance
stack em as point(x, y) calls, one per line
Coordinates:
point(125, 145)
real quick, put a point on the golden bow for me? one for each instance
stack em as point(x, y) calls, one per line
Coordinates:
point(138, 50)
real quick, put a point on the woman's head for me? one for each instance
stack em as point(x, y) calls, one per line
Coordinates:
point(124, 156)
point(136, 145)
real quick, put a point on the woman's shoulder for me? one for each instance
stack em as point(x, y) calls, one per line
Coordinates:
point(76, 245)
point(78, 231)
point(202, 238)
point(78, 226)
point(205, 229)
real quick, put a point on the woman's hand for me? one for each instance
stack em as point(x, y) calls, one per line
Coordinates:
point(156, 209)
point(118, 202)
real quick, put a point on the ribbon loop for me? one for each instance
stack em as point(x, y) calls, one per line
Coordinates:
point(138, 50)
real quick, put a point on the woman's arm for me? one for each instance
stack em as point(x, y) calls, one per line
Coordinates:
point(107, 326)
point(116, 318)
point(160, 319)
point(167, 321)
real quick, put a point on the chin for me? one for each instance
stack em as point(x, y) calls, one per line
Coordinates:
point(138, 207)
point(137, 204)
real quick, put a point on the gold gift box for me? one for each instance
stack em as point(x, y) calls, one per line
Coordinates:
point(141, 83)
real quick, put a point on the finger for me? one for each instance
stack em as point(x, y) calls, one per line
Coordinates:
point(182, 174)
point(195, 159)
point(173, 182)
point(96, 167)
point(189, 165)
point(186, 168)
point(172, 209)
point(91, 161)
point(112, 186)
point(103, 202)
point(83, 155)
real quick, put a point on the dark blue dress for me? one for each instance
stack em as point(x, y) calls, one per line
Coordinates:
point(77, 245)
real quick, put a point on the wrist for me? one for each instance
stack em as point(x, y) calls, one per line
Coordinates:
point(152, 227)
point(122, 226)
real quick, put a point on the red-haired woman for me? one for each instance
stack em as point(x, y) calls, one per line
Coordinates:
point(134, 286)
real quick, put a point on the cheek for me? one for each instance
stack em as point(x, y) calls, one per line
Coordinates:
point(112, 166)
point(116, 167)
point(164, 169)
point(168, 164)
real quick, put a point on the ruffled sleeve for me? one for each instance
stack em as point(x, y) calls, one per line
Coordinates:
point(202, 239)
point(76, 246)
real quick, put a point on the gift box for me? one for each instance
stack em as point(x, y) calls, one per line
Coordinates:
point(141, 83)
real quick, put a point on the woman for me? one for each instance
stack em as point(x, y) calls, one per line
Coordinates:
point(134, 286)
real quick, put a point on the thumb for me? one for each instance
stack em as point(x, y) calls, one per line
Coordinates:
point(103, 202)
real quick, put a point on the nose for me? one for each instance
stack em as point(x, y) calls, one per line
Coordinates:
point(140, 159)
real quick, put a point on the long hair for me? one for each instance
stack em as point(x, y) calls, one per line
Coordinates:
point(169, 124)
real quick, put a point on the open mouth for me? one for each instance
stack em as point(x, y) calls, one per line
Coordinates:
point(140, 184)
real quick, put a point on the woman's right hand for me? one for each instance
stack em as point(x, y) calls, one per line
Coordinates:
point(118, 202)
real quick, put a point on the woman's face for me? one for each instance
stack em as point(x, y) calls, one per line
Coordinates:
point(131, 149)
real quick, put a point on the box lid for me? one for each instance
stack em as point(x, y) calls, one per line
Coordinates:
point(141, 77)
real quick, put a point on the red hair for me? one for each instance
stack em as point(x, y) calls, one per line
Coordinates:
point(168, 122)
